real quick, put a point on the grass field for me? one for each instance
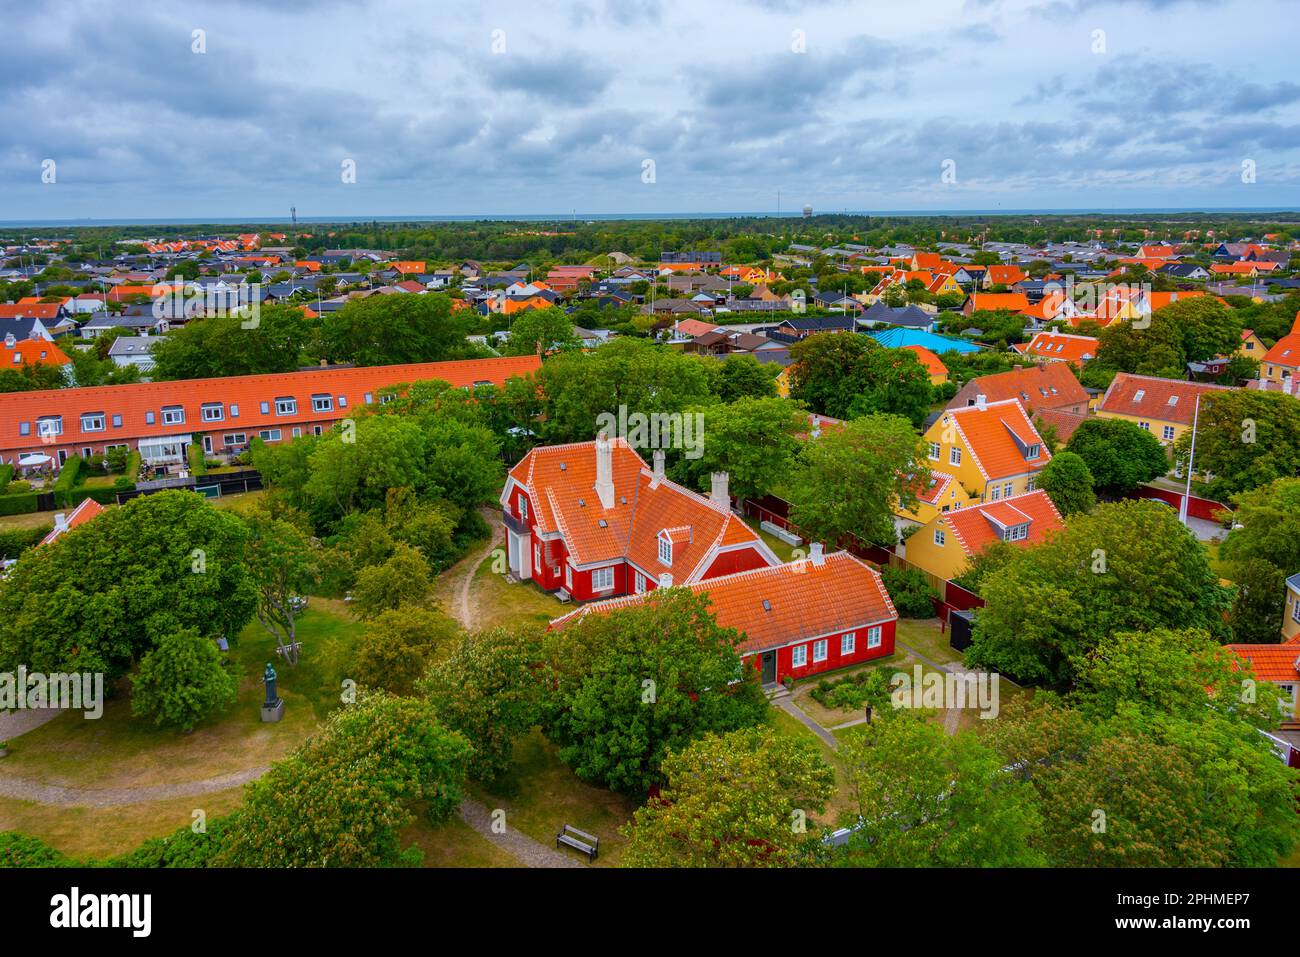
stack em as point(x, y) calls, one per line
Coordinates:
point(499, 602)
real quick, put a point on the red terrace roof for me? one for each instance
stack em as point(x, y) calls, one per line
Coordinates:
point(82, 514)
point(977, 526)
point(806, 601)
point(1122, 397)
point(38, 310)
point(31, 352)
point(560, 480)
point(246, 392)
point(1271, 662)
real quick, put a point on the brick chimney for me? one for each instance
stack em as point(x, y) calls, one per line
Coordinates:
point(719, 495)
point(604, 471)
point(658, 473)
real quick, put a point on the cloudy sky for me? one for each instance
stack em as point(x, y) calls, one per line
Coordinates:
point(643, 106)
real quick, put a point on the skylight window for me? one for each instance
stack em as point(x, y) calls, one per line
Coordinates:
point(1139, 394)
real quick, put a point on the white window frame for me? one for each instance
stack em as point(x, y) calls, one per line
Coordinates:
point(798, 656)
point(875, 635)
point(1008, 489)
point(1295, 611)
point(286, 405)
point(954, 456)
point(234, 438)
point(848, 643)
point(173, 415)
point(602, 579)
point(666, 550)
point(939, 538)
point(88, 420)
point(523, 508)
point(322, 403)
point(934, 451)
point(48, 426)
point(208, 408)
point(1167, 433)
point(640, 583)
point(270, 435)
point(819, 650)
point(568, 575)
point(995, 493)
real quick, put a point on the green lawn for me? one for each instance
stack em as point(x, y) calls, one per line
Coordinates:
point(540, 794)
point(924, 635)
point(454, 844)
point(498, 602)
point(781, 549)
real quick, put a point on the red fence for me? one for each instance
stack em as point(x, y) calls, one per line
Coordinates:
point(1197, 507)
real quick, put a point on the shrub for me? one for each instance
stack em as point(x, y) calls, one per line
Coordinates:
point(18, 486)
point(6, 473)
point(19, 504)
point(67, 481)
point(195, 456)
point(23, 850)
point(118, 457)
point(15, 541)
point(910, 590)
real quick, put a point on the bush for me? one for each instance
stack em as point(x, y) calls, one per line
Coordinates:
point(181, 681)
point(19, 504)
point(67, 481)
point(910, 590)
point(23, 850)
point(181, 848)
point(133, 466)
point(853, 691)
point(118, 457)
point(18, 486)
point(15, 541)
point(6, 473)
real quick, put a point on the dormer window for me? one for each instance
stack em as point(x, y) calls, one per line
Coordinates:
point(1016, 533)
point(1033, 452)
point(665, 550)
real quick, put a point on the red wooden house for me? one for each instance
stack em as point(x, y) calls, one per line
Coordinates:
point(798, 619)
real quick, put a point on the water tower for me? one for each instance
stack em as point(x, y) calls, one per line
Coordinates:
point(807, 211)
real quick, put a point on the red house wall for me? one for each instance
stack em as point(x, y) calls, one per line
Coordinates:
point(834, 660)
point(740, 560)
point(582, 591)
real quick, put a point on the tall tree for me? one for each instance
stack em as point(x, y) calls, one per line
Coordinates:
point(1120, 455)
point(1244, 439)
point(390, 330)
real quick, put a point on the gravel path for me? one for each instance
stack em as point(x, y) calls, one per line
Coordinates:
point(16, 722)
point(24, 790)
point(523, 848)
point(464, 611)
point(792, 709)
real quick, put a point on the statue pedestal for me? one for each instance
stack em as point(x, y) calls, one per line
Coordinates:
point(273, 712)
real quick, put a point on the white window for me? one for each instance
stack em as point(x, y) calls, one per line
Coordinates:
point(1033, 452)
point(343, 402)
point(286, 405)
point(173, 415)
point(92, 422)
point(234, 410)
point(602, 579)
point(270, 435)
point(1007, 489)
point(848, 643)
point(995, 493)
point(212, 412)
point(322, 403)
point(1168, 433)
point(640, 584)
point(368, 398)
point(873, 636)
point(568, 575)
point(665, 550)
point(537, 558)
point(1015, 533)
point(938, 537)
point(1145, 425)
point(798, 656)
point(1031, 483)
point(48, 426)
point(297, 431)
point(149, 418)
point(266, 408)
point(1295, 611)
point(954, 456)
point(934, 451)
point(234, 438)
point(523, 508)
point(819, 650)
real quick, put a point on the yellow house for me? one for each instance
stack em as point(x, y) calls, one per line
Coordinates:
point(943, 284)
point(1164, 407)
point(942, 493)
point(783, 383)
point(991, 448)
point(945, 545)
point(1282, 363)
point(1291, 614)
point(1252, 347)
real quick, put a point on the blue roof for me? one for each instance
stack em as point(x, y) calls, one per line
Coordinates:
point(897, 338)
point(1294, 582)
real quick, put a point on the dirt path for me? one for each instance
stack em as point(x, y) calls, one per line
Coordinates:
point(523, 848)
point(460, 577)
point(52, 794)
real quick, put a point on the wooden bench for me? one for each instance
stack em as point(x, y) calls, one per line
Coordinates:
point(570, 836)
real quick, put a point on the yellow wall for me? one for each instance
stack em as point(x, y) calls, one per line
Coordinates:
point(1252, 347)
point(1274, 371)
point(944, 561)
point(967, 472)
point(1155, 426)
point(1290, 627)
point(954, 497)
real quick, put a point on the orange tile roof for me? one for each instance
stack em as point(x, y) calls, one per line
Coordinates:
point(1049, 385)
point(1006, 275)
point(803, 601)
point(83, 513)
point(1122, 398)
point(977, 526)
point(1013, 301)
point(39, 310)
point(32, 352)
point(1271, 662)
point(935, 488)
point(1286, 351)
point(932, 362)
point(1066, 347)
point(1065, 423)
point(560, 481)
point(134, 400)
point(695, 327)
point(991, 433)
point(408, 267)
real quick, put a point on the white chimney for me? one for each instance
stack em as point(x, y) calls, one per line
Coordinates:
point(981, 401)
point(61, 522)
point(658, 474)
point(720, 496)
point(665, 580)
point(604, 472)
point(816, 427)
point(815, 553)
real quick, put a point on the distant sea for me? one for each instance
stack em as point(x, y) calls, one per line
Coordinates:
point(614, 217)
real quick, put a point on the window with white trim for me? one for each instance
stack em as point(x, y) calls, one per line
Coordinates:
point(265, 407)
point(938, 537)
point(523, 508)
point(1033, 452)
point(234, 410)
point(568, 575)
point(602, 579)
point(92, 422)
point(269, 435)
point(1146, 426)
point(1168, 433)
point(874, 634)
point(1031, 483)
point(149, 418)
point(48, 426)
point(819, 649)
point(954, 456)
point(343, 402)
point(322, 403)
point(995, 492)
point(798, 656)
point(212, 412)
point(1295, 611)
point(234, 438)
point(173, 415)
point(848, 642)
point(665, 550)
point(286, 405)
point(1008, 489)
point(640, 584)
point(934, 451)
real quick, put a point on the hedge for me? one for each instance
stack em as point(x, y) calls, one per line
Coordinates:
point(18, 504)
point(6, 475)
point(15, 541)
point(133, 466)
point(67, 481)
point(195, 456)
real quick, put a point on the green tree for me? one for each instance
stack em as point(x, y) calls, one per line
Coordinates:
point(1068, 483)
point(634, 684)
point(740, 799)
point(397, 645)
point(485, 688)
point(181, 681)
point(742, 376)
point(846, 376)
point(344, 797)
point(923, 799)
point(391, 330)
point(848, 480)
point(283, 569)
point(544, 329)
point(233, 345)
point(753, 440)
point(1120, 455)
point(1244, 439)
point(404, 579)
point(1126, 566)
